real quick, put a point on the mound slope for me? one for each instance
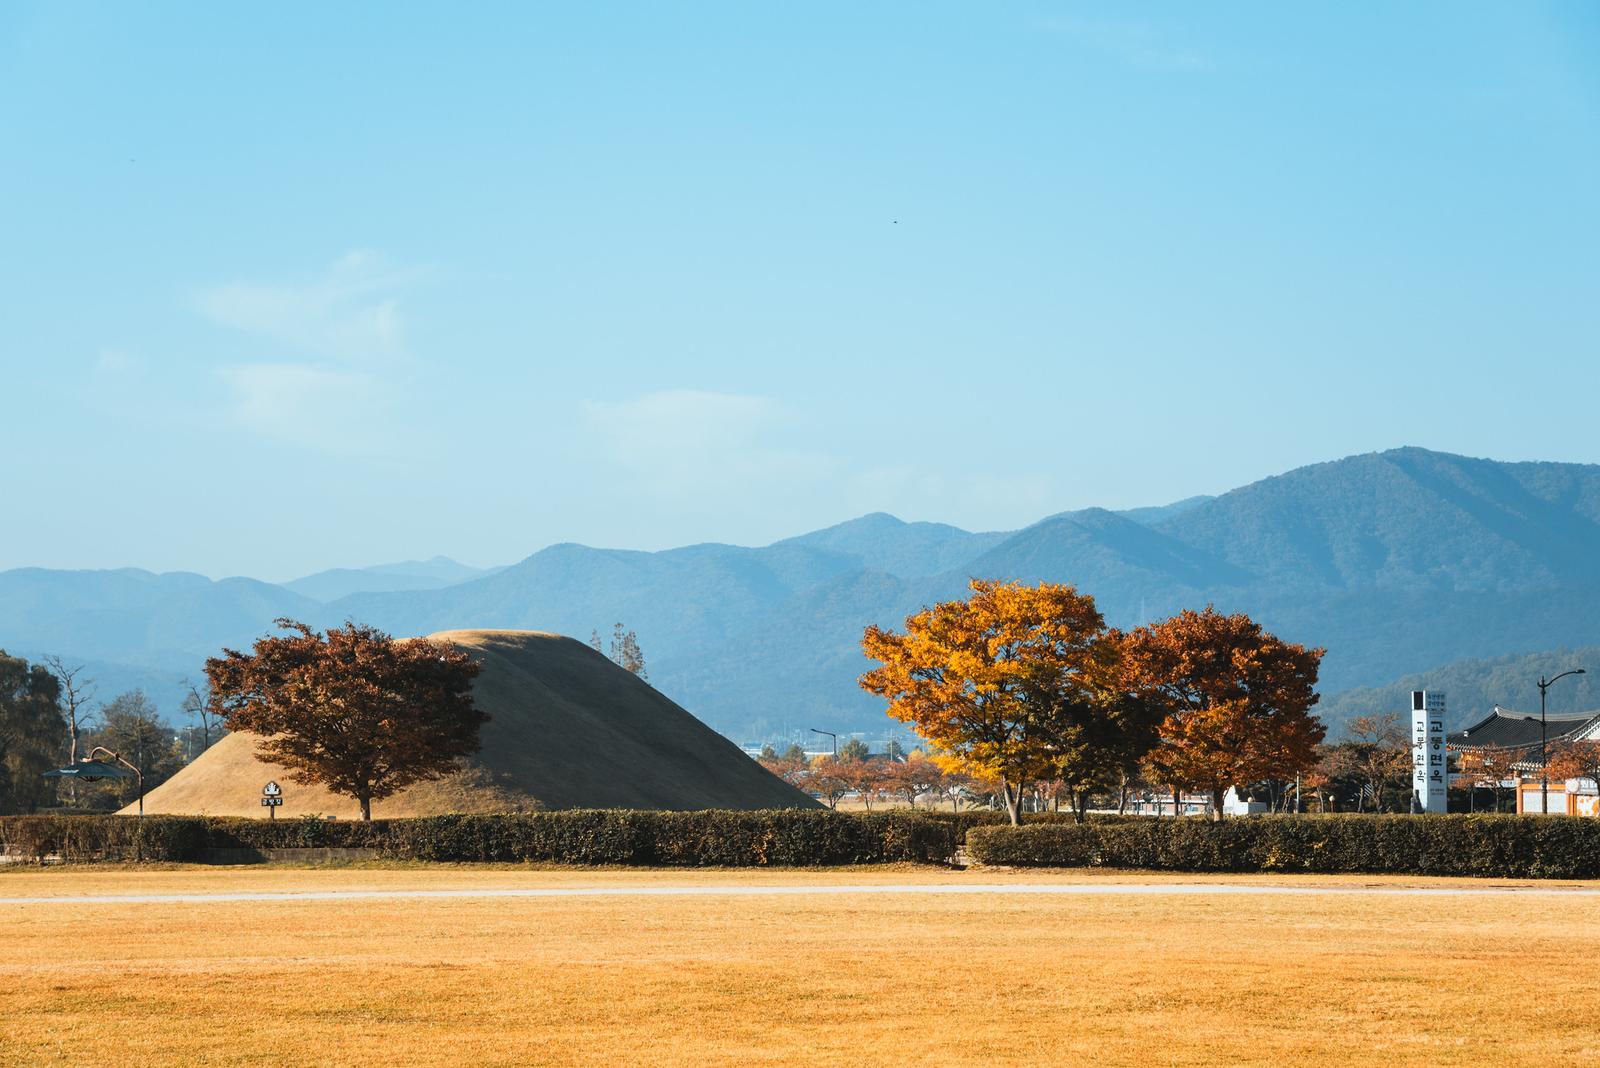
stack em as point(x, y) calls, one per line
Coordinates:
point(567, 729)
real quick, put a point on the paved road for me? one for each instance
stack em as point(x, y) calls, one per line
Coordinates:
point(776, 890)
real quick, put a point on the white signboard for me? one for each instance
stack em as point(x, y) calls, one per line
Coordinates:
point(1430, 776)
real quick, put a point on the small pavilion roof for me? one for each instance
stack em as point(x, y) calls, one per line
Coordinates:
point(1506, 728)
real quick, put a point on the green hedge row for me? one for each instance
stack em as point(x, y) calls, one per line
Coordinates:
point(620, 836)
point(1494, 846)
point(784, 837)
point(103, 837)
point(1500, 846)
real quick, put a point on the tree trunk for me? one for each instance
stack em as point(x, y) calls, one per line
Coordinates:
point(366, 805)
point(1177, 802)
point(72, 756)
point(1013, 802)
point(1082, 810)
point(1217, 793)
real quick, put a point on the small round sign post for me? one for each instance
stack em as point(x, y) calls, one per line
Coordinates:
point(271, 798)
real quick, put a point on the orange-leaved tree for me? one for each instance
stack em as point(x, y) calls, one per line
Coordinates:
point(913, 777)
point(867, 778)
point(1578, 759)
point(354, 709)
point(1237, 701)
point(829, 779)
point(1001, 681)
point(789, 766)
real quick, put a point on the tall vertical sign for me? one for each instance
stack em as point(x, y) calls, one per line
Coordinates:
point(1430, 774)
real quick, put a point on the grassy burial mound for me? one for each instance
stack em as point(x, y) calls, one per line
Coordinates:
point(567, 729)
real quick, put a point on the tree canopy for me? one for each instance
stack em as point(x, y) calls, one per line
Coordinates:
point(131, 726)
point(625, 651)
point(33, 733)
point(354, 709)
point(1016, 683)
point(1237, 701)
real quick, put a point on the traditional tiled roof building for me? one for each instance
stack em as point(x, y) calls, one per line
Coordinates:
point(1506, 729)
point(1520, 733)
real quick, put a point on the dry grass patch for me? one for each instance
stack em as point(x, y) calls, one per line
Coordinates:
point(852, 979)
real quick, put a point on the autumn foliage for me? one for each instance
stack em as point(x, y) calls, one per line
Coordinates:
point(1578, 759)
point(1237, 699)
point(1026, 686)
point(354, 709)
point(1014, 682)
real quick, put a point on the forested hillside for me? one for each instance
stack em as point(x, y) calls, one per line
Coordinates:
point(1473, 687)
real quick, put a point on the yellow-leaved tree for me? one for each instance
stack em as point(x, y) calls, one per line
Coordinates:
point(1010, 682)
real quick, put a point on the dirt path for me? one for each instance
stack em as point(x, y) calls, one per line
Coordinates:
point(789, 890)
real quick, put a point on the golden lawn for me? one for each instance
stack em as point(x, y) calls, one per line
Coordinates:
point(843, 979)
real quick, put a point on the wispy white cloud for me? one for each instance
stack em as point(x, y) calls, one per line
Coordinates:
point(350, 312)
point(1139, 43)
point(693, 452)
point(678, 443)
point(335, 350)
point(296, 402)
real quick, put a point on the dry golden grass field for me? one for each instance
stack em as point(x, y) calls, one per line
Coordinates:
point(845, 978)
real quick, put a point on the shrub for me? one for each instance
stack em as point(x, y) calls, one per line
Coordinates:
point(1495, 846)
point(786, 837)
point(86, 838)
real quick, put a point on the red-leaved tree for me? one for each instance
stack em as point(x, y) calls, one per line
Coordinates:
point(354, 710)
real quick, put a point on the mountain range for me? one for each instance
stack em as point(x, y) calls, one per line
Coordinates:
point(1396, 562)
point(408, 575)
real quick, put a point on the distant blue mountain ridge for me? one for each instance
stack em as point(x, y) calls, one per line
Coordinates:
point(1396, 562)
point(339, 582)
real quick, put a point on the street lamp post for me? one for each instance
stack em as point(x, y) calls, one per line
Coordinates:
point(1544, 767)
point(832, 735)
point(89, 769)
point(138, 772)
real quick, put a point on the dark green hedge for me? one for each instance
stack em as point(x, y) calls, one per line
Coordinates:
point(613, 836)
point(1501, 846)
point(1496, 846)
point(621, 836)
point(84, 838)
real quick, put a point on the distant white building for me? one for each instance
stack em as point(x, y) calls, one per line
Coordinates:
point(1153, 803)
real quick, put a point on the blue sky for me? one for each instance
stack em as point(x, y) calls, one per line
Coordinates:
point(305, 286)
